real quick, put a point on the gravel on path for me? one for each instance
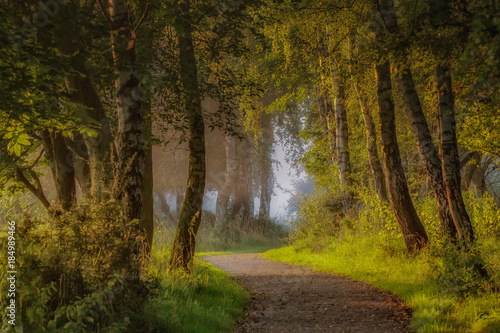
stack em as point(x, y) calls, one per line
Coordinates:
point(289, 298)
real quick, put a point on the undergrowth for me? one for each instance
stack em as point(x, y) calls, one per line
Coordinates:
point(73, 277)
point(440, 284)
point(208, 301)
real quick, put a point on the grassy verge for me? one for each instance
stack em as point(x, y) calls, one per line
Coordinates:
point(208, 301)
point(414, 278)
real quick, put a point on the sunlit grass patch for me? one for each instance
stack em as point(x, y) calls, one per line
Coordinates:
point(207, 301)
point(384, 263)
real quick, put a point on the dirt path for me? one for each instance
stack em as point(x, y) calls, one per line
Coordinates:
point(288, 298)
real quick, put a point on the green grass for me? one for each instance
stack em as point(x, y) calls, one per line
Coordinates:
point(384, 263)
point(208, 301)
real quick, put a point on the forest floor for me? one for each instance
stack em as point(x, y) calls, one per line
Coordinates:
point(289, 298)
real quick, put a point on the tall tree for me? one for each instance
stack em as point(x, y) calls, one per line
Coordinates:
point(190, 216)
point(129, 182)
point(425, 144)
point(371, 132)
point(371, 144)
point(449, 151)
point(411, 227)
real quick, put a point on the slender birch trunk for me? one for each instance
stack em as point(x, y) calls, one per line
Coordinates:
point(449, 152)
point(371, 144)
point(183, 250)
point(425, 145)
point(411, 227)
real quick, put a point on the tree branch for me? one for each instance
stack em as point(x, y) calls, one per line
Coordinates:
point(103, 11)
point(37, 191)
point(142, 17)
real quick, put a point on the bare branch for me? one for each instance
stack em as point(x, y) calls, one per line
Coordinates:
point(142, 17)
point(104, 12)
point(37, 191)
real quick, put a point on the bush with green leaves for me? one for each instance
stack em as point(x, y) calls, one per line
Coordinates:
point(79, 271)
point(317, 222)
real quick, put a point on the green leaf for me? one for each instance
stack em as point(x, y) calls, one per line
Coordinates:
point(24, 142)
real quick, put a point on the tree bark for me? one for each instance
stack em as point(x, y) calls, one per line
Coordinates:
point(231, 175)
point(145, 46)
point(425, 145)
point(147, 218)
point(371, 144)
point(190, 218)
point(449, 152)
point(129, 183)
point(411, 227)
point(61, 164)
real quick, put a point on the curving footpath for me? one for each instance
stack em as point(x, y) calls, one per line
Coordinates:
point(289, 298)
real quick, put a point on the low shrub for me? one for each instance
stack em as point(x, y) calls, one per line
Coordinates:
point(79, 271)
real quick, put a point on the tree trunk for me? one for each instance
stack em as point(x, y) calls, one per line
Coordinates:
point(449, 152)
point(129, 183)
point(61, 164)
point(147, 218)
point(413, 231)
point(99, 150)
point(231, 176)
point(243, 194)
point(426, 148)
point(343, 143)
point(145, 47)
point(190, 218)
point(371, 144)
point(266, 165)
